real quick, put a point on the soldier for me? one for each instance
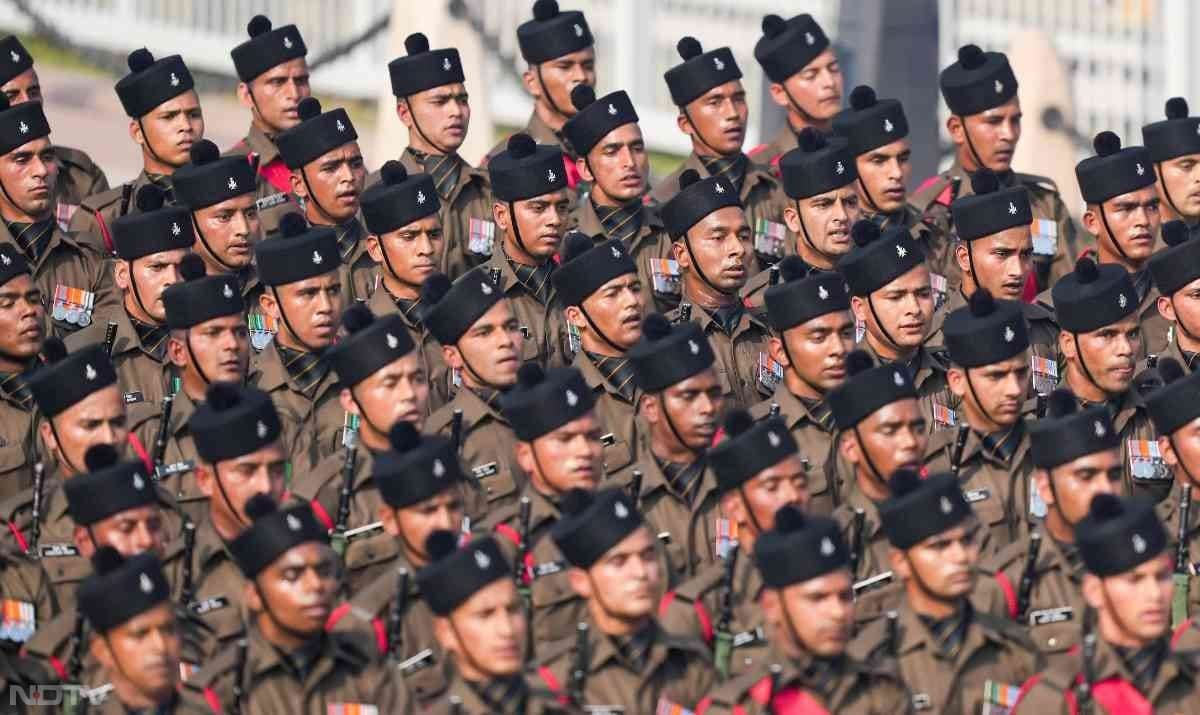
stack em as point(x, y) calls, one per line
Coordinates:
point(304, 295)
point(818, 179)
point(1077, 455)
point(558, 47)
point(554, 418)
point(707, 224)
point(620, 657)
point(406, 240)
point(810, 314)
point(805, 79)
point(165, 120)
point(286, 658)
point(759, 472)
point(876, 131)
point(952, 658)
point(598, 283)
point(482, 345)
point(1130, 662)
point(273, 70)
point(327, 178)
point(680, 404)
point(431, 101)
point(980, 91)
point(809, 606)
point(988, 342)
point(382, 384)
point(79, 175)
point(150, 245)
point(1097, 309)
point(1176, 275)
point(891, 297)
point(69, 271)
point(531, 209)
point(1174, 148)
point(23, 315)
point(208, 342)
point(614, 162)
point(707, 88)
point(239, 454)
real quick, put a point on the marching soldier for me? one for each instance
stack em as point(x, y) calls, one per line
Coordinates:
point(1176, 270)
point(624, 661)
point(406, 239)
point(707, 88)
point(876, 131)
point(809, 606)
point(1100, 340)
point(709, 229)
point(287, 659)
point(272, 67)
point(431, 101)
point(149, 248)
point(1077, 455)
point(304, 296)
point(980, 91)
point(891, 297)
point(531, 211)
point(1130, 662)
point(952, 658)
point(613, 160)
point(558, 432)
point(1174, 148)
point(79, 175)
point(759, 472)
point(23, 315)
point(599, 285)
point(328, 175)
point(805, 79)
point(880, 429)
point(810, 315)
point(482, 345)
point(165, 120)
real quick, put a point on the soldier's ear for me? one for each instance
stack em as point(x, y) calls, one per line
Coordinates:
point(176, 351)
point(647, 408)
point(684, 124)
point(299, 187)
point(954, 127)
point(251, 597)
point(387, 517)
point(848, 447)
point(956, 379)
point(575, 317)
point(1165, 308)
point(791, 216)
point(243, 95)
point(770, 602)
point(47, 434)
point(858, 306)
point(584, 170)
point(524, 454)
point(269, 305)
point(500, 214)
point(778, 354)
point(680, 254)
point(120, 269)
point(1093, 592)
point(962, 257)
point(1066, 345)
point(580, 583)
point(1091, 220)
point(1167, 448)
point(452, 357)
point(135, 132)
point(734, 507)
point(403, 113)
point(83, 541)
point(1041, 479)
point(375, 248)
point(900, 564)
point(529, 80)
point(349, 404)
point(779, 94)
point(101, 652)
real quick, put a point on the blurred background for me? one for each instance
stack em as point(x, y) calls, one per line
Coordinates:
point(1084, 65)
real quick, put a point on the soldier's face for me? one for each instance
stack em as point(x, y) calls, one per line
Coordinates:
point(25, 87)
point(313, 308)
point(1134, 607)
point(277, 94)
point(994, 395)
point(994, 134)
point(130, 532)
point(143, 281)
point(568, 458)
point(437, 119)
point(295, 594)
point(692, 406)
point(1069, 488)
point(98, 418)
point(413, 524)
point(219, 351)
point(332, 184)
point(819, 614)
point(489, 350)
point(626, 583)
point(884, 173)
point(893, 437)
point(226, 232)
point(30, 175)
point(21, 310)
point(716, 120)
point(541, 221)
point(487, 632)
point(902, 310)
point(411, 253)
point(1133, 223)
point(817, 350)
point(719, 246)
point(618, 166)
point(997, 263)
point(230, 484)
point(1183, 309)
point(822, 223)
point(941, 568)
point(1179, 185)
point(1109, 354)
point(142, 654)
point(817, 88)
point(615, 311)
point(754, 505)
point(167, 132)
point(396, 392)
point(550, 83)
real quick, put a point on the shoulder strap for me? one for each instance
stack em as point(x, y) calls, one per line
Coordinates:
point(214, 702)
point(552, 683)
point(1010, 593)
point(321, 514)
point(1183, 628)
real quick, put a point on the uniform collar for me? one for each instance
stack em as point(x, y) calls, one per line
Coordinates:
point(259, 143)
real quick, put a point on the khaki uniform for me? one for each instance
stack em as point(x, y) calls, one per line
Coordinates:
point(1056, 242)
point(824, 469)
point(92, 223)
point(463, 698)
point(1169, 513)
point(675, 671)
point(854, 688)
point(20, 447)
point(753, 294)
point(874, 569)
point(78, 178)
point(1156, 330)
point(651, 250)
point(618, 419)
point(993, 652)
point(487, 447)
point(544, 327)
point(694, 610)
point(141, 376)
point(216, 584)
point(440, 380)
point(360, 277)
point(347, 671)
point(1145, 475)
point(312, 427)
point(769, 154)
point(273, 187)
point(24, 581)
point(744, 366)
point(938, 404)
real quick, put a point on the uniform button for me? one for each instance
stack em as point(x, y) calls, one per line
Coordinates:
point(1053, 642)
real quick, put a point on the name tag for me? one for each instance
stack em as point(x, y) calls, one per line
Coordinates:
point(132, 397)
point(271, 201)
point(1046, 616)
point(921, 701)
point(608, 440)
point(364, 530)
point(485, 470)
point(170, 470)
point(482, 234)
point(664, 537)
point(664, 275)
point(617, 709)
point(876, 580)
point(769, 238)
point(51, 551)
point(745, 638)
point(420, 661)
point(1146, 462)
point(208, 605)
point(975, 495)
point(548, 568)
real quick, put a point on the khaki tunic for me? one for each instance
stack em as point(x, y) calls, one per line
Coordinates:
point(78, 178)
point(938, 404)
point(1169, 514)
point(272, 185)
point(312, 427)
point(20, 447)
point(677, 671)
point(993, 651)
point(769, 154)
point(22, 580)
point(874, 567)
point(441, 384)
point(738, 356)
point(544, 326)
point(141, 376)
point(651, 250)
point(1133, 424)
point(462, 699)
point(824, 469)
point(486, 450)
point(216, 585)
point(93, 221)
point(360, 276)
point(618, 419)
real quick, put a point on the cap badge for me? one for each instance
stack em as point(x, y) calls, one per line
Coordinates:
point(578, 30)
point(392, 342)
point(809, 39)
point(487, 289)
point(827, 547)
point(482, 560)
point(1012, 209)
point(292, 522)
point(15, 57)
point(175, 230)
point(888, 126)
point(287, 42)
point(1140, 169)
point(773, 439)
point(693, 347)
point(822, 293)
point(439, 469)
point(616, 252)
point(550, 177)
point(89, 372)
point(901, 251)
point(1098, 428)
point(612, 109)
point(621, 510)
point(898, 379)
point(1009, 334)
point(145, 583)
point(1139, 544)
point(1198, 127)
point(232, 184)
point(260, 429)
point(839, 168)
point(5, 259)
point(999, 86)
point(316, 258)
point(227, 291)
point(340, 127)
point(420, 196)
point(718, 188)
point(23, 128)
point(138, 483)
point(1122, 300)
point(572, 398)
point(174, 80)
point(718, 64)
point(446, 65)
point(945, 505)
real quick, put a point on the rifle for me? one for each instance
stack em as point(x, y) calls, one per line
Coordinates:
point(581, 666)
point(773, 275)
point(960, 443)
point(1183, 576)
point(685, 313)
point(338, 539)
point(494, 274)
point(775, 672)
point(635, 488)
point(522, 574)
point(73, 700)
point(239, 675)
point(110, 337)
point(856, 544)
point(773, 411)
point(189, 548)
point(395, 630)
point(164, 429)
point(1026, 589)
point(1084, 689)
point(39, 482)
point(456, 424)
point(723, 647)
